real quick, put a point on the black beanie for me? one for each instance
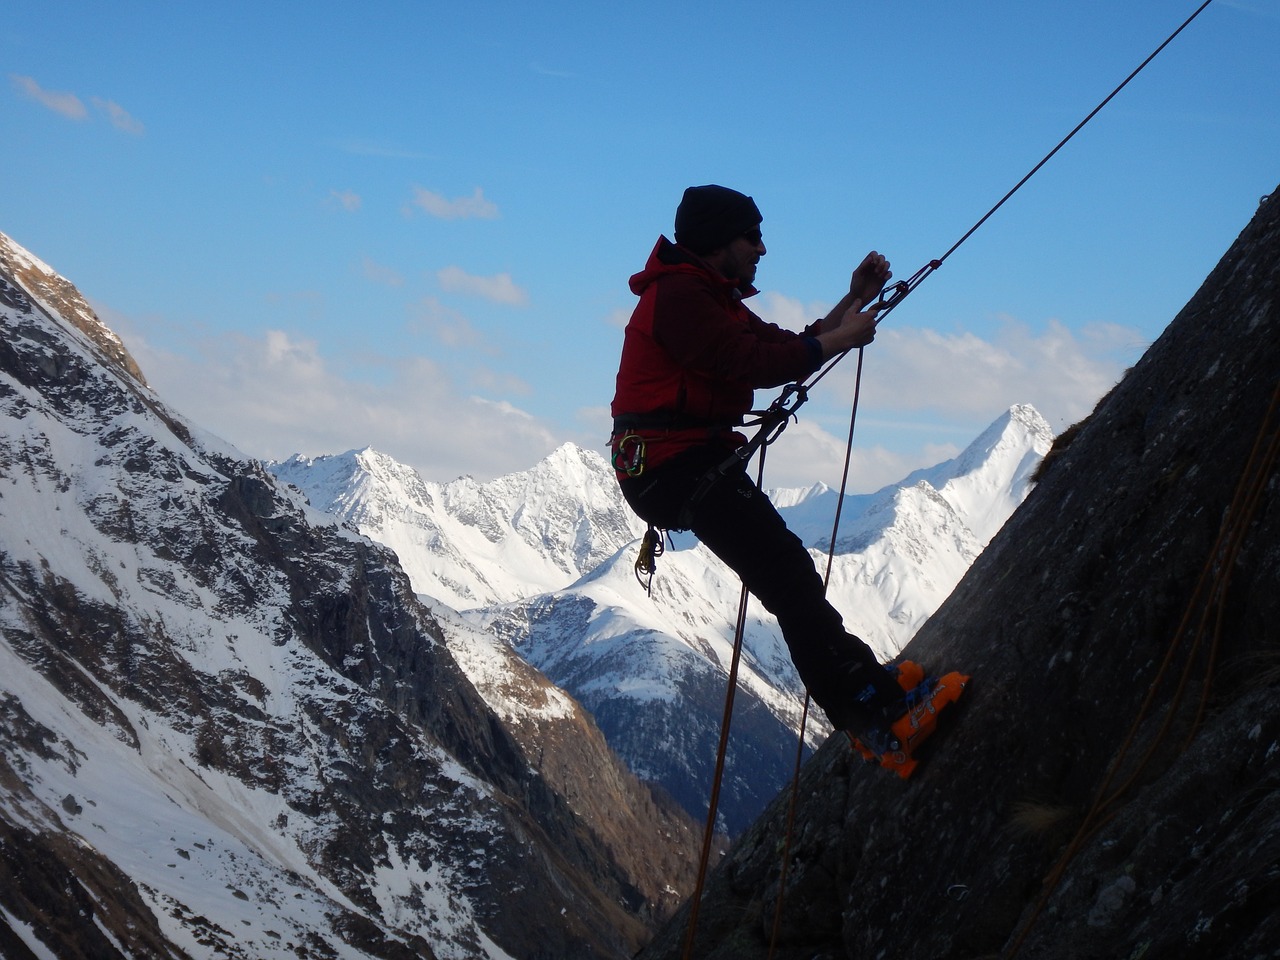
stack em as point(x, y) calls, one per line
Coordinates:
point(710, 216)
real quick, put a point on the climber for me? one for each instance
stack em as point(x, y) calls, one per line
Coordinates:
point(692, 355)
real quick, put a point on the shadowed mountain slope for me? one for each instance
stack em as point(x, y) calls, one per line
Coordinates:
point(1111, 787)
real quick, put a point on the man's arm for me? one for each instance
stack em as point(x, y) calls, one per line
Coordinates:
point(865, 285)
point(704, 334)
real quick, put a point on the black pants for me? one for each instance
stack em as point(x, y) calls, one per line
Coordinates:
point(738, 523)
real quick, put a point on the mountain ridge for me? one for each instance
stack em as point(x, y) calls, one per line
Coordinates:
point(230, 727)
point(624, 654)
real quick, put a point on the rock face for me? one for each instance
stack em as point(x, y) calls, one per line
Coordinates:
point(57, 294)
point(229, 728)
point(1112, 787)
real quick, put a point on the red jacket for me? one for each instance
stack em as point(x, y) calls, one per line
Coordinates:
point(693, 354)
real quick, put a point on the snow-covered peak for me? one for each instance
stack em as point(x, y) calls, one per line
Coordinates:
point(472, 544)
point(988, 480)
point(468, 543)
point(58, 298)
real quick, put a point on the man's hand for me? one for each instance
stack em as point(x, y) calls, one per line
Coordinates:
point(870, 277)
point(854, 328)
point(849, 325)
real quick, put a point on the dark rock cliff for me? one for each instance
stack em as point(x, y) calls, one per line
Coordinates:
point(1112, 786)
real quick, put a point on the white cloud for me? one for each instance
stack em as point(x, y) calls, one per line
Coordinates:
point(499, 288)
point(451, 327)
point(120, 118)
point(275, 395)
point(66, 104)
point(348, 200)
point(959, 376)
point(72, 107)
point(483, 378)
point(787, 312)
point(1060, 372)
point(926, 394)
point(475, 206)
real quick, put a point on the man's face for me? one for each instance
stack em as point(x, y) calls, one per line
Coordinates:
point(741, 256)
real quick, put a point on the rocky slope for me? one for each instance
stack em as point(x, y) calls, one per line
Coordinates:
point(229, 728)
point(1112, 788)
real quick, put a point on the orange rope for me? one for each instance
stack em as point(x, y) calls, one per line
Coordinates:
point(708, 833)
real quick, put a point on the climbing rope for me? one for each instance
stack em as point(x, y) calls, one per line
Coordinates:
point(651, 548)
point(722, 750)
point(770, 426)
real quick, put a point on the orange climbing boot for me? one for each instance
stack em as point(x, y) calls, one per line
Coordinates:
point(879, 741)
point(895, 748)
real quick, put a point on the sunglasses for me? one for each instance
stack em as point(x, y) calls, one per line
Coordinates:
point(753, 236)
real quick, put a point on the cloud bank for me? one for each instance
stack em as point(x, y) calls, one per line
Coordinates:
point(925, 396)
point(274, 395)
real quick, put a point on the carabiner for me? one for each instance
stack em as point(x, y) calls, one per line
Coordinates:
point(629, 454)
point(893, 294)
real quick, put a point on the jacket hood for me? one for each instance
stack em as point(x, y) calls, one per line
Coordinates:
point(667, 258)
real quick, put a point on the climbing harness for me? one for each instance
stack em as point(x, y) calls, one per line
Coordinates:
point(771, 424)
point(629, 459)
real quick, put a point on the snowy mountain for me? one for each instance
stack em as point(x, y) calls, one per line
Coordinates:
point(468, 544)
point(652, 671)
point(229, 728)
point(550, 554)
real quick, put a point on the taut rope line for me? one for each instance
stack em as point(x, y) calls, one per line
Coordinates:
point(771, 424)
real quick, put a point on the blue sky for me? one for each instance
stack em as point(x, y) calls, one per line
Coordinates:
point(410, 225)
